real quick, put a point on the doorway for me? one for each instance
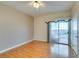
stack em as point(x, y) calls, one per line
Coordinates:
point(59, 36)
point(59, 32)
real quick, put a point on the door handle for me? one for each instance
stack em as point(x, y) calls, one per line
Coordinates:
point(66, 33)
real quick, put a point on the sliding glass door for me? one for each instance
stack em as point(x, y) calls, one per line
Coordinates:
point(63, 32)
point(74, 35)
point(53, 32)
point(59, 37)
point(58, 32)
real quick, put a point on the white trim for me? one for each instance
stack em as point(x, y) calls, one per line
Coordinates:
point(40, 40)
point(5, 50)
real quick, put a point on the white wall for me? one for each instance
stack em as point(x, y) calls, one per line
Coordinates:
point(75, 14)
point(75, 17)
point(15, 27)
point(40, 27)
point(75, 9)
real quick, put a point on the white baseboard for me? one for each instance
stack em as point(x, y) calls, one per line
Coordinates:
point(5, 50)
point(40, 40)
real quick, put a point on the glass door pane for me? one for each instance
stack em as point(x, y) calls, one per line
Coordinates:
point(59, 34)
point(63, 38)
point(63, 32)
point(74, 35)
point(53, 32)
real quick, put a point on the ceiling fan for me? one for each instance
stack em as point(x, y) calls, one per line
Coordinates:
point(37, 4)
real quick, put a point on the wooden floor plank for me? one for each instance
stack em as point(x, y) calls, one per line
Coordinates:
point(34, 49)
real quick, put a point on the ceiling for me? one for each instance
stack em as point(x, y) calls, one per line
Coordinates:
point(49, 6)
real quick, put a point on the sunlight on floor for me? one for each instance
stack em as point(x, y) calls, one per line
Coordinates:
point(58, 50)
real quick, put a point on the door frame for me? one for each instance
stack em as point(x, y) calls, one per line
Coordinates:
point(69, 31)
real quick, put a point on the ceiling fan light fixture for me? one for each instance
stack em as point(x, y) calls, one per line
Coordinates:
point(36, 4)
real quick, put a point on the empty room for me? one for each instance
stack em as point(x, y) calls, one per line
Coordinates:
point(39, 29)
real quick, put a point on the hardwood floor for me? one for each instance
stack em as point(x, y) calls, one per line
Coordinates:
point(34, 49)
